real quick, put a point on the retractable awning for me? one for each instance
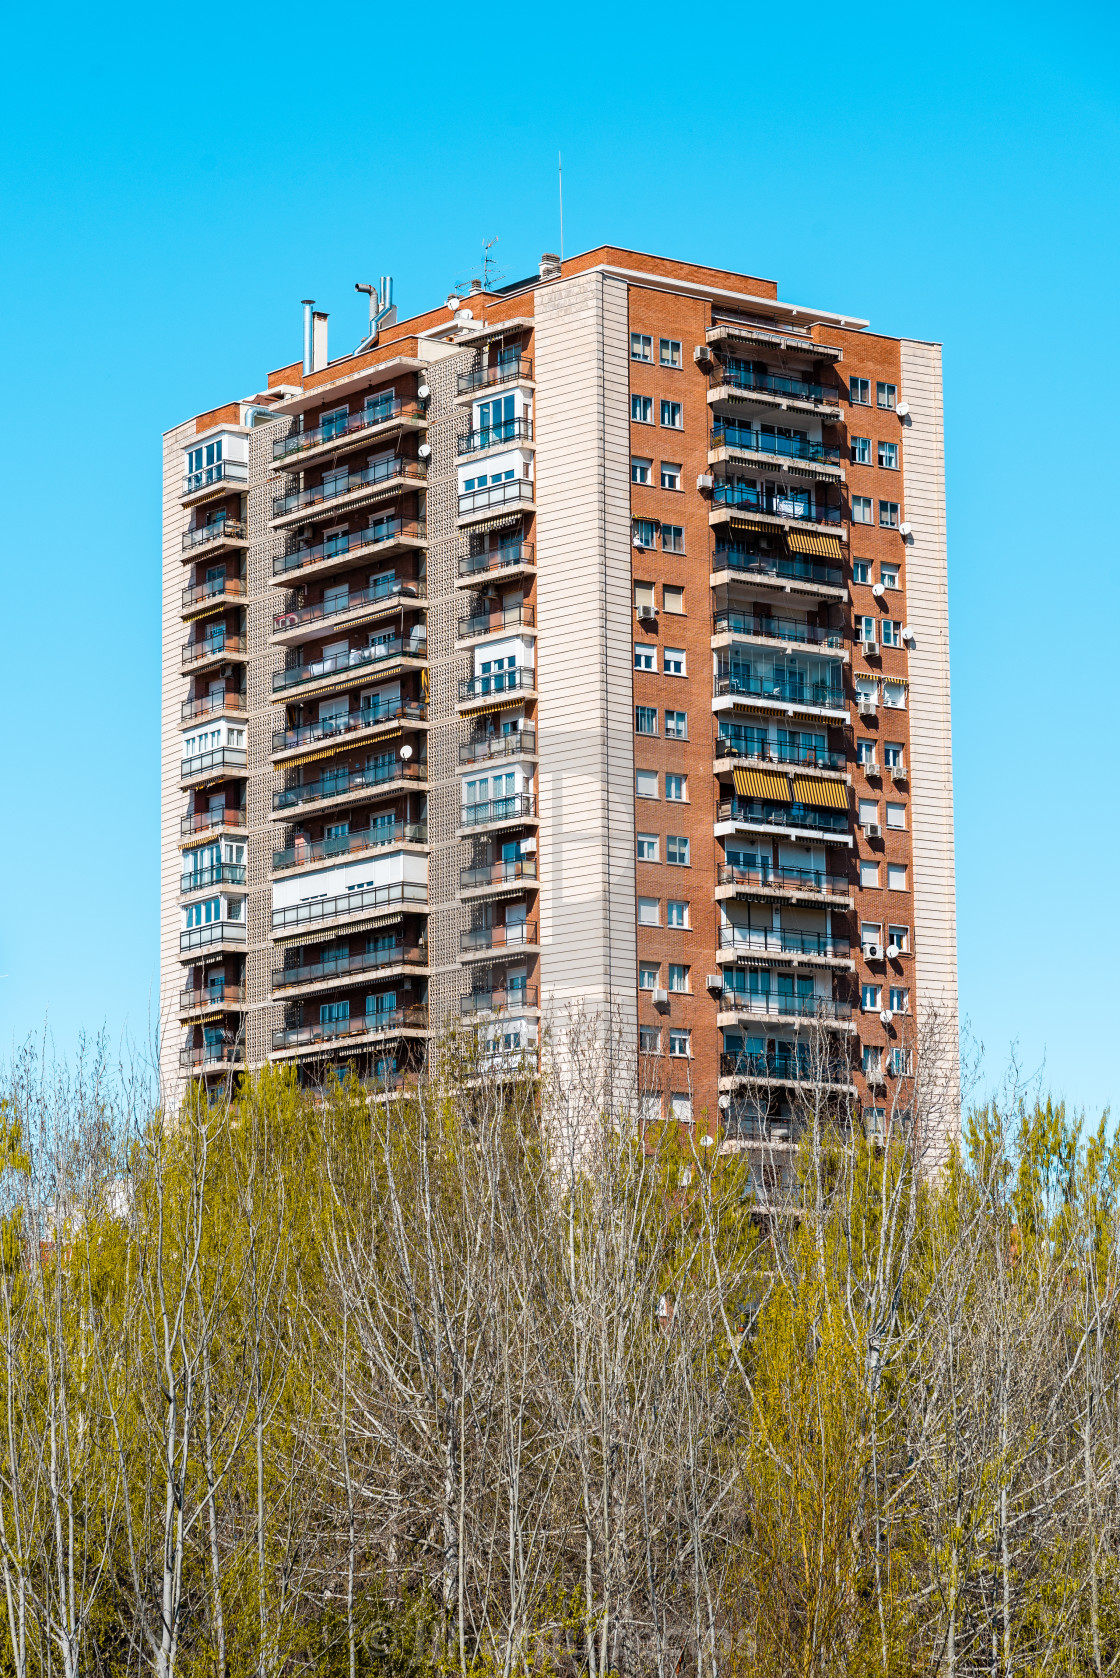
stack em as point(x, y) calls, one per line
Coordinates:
point(761, 783)
point(828, 795)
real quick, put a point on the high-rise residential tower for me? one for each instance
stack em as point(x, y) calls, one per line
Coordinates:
point(583, 641)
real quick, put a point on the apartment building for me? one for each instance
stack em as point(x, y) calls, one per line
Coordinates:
point(579, 642)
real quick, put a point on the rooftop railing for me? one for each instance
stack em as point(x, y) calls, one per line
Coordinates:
point(362, 900)
point(731, 556)
point(740, 375)
point(734, 492)
point(340, 428)
point(755, 812)
point(363, 1025)
point(354, 722)
point(329, 966)
point(207, 821)
point(777, 751)
point(348, 483)
point(304, 853)
point(352, 600)
point(783, 941)
point(776, 629)
point(500, 372)
point(506, 937)
point(351, 544)
point(517, 742)
point(232, 587)
point(498, 810)
point(501, 558)
point(518, 680)
point(345, 782)
point(519, 430)
point(486, 623)
point(784, 1005)
point(795, 879)
point(218, 530)
point(232, 472)
point(732, 436)
point(503, 873)
point(505, 494)
point(216, 874)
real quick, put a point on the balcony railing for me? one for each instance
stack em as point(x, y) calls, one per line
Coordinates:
point(519, 430)
point(776, 751)
point(358, 658)
point(231, 472)
point(212, 1055)
point(351, 545)
point(509, 1001)
point(506, 937)
point(344, 782)
point(752, 810)
point(214, 646)
point(364, 1025)
point(519, 680)
point(498, 810)
point(508, 367)
point(217, 874)
point(232, 587)
point(784, 941)
point(218, 932)
point(363, 900)
point(517, 742)
point(231, 759)
point(783, 1005)
point(384, 589)
point(796, 879)
point(501, 558)
point(787, 690)
point(498, 874)
point(799, 1069)
point(382, 472)
point(303, 853)
point(207, 821)
point(346, 425)
point(734, 436)
point(736, 492)
point(741, 376)
point(211, 996)
point(776, 629)
point(207, 704)
point(788, 568)
point(340, 967)
point(333, 728)
point(487, 623)
point(506, 494)
point(218, 530)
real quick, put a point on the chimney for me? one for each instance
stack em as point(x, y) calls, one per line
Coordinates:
point(308, 305)
point(318, 340)
point(476, 285)
point(550, 266)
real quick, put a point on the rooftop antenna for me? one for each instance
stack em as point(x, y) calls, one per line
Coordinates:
point(487, 261)
point(560, 178)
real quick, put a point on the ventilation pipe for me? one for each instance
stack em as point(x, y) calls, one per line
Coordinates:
point(318, 340)
point(308, 305)
point(382, 309)
point(550, 266)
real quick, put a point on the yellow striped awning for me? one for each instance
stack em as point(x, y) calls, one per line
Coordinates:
point(750, 524)
point(761, 783)
point(829, 795)
point(507, 705)
point(325, 936)
point(821, 547)
point(344, 743)
point(504, 521)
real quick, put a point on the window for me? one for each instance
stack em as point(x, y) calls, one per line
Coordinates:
point(872, 1058)
point(649, 1040)
point(649, 911)
point(647, 847)
point(679, 1043)
point(892, 753)
point(676, 788)
point(670, 474)
point(645, 658)
point(649, 975)
point(649, 1107)
point(896, 876)
point(645, 783)
point(870, 932)
point(860, 572)
point(676, 725)
point(900, 1000)
point(869, 875)
point(671, 415)
point(640, 470)
point(672, 599)
point(875, 1123)
point(870, 998)
point(676, 849)
point(892, 633)
point(861, 451)
point(672, 538)
point(888, 456)
point(641, 409)
point(673, 661)
point(888, 576)
point(861, 509)
point(641, 347)
point(868, 812)
point(643, 533)
point(670, 352)
point(330, 1012)
point(859, 390)
point(896, 816)
point(899, 936)
point(865, 753)
point(894, 696)
point(678, 976)
point(680, 1108)
point(643, 594)
point(866, 628)
point(645, 719)
point(888, 515)
point(886, 395)
point(900, 1062)
point(677, 913)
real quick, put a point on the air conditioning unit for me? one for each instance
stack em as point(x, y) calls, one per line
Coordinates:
point(866, 706)
point(648, 614)
point(893, 952)
point(659, 998)
point(899, 772)
point(873, 952)
point(714, 981)
point(701, 353)
point(869, 645)
point(528, 847)
point(705, 481)
point(872, 830)
point(905, 530)
point(874, 1077)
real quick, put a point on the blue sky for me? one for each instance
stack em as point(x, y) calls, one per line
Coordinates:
point(176, 180)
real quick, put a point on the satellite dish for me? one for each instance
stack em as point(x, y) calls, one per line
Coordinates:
point(886, 1016)
point(424, 450)
point(423, 392)
point(707, 1140)
point(453, 302)
point(724, 1103)
point(464, 314)
point(406, 753)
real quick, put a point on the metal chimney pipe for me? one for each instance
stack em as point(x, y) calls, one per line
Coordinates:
point(308, 305)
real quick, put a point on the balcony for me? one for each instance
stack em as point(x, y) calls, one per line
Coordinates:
point(506, 557)
point(517, 808)
point(776, 629)
point(210, 821)
point(765, 940)
point(797, 450)
point(210, 766)
point(519, 742)
point(778, 1006)
point(288, 452)
point(307, 852)
point(515, 935)
point(213, 648)
point(342, 486)
point(741, 376)
point(392, 1021)
point(218, 588)
point(785, 878)
point(349, 905)
point(519, 430)
point(497, 874)
point(779, 687)
point(224, 477)
point(212, 1057)
point(515, 1000)
point(776, 751)
point(212, 705)
point(218, 874)
point(785, 568)
point(786, 1069)
point(211, 997)
point(744, 496)
point(507, 370)
point(336, 728)
point(752, 812)
point(348, 783)
point(337, 552)
point(218, 533)
point(329, 968)
point(472, 688)
point(510, 493)
point(218, 935)
point(386, 591)
point(492, 623)
point(360, 659)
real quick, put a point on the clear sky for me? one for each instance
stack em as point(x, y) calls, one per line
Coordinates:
point(176, 180)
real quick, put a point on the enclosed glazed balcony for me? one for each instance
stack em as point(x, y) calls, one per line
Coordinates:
point(520, 807)
point(787, 687)
point(222, 477)
point(347, 488)
point(335, 553)
point(507, 369)
point(305, 853)
point(214, 874)
point(217, 935)
point(337, 430)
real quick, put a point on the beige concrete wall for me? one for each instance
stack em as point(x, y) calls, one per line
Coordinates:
point(173, 801)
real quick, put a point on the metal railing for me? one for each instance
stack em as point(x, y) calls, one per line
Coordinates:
point(508, 1001)
point(213, 1054)
point(789, 567)
point(217, 932)
point(232, 587)
point(514, 744)
point(796, 879)
point(384, 589)
point(519, 430)
point(776, 629)
point(518, 680)
point(505, 494)
point(340, 967)
point(752, 810)
point(500, 372)
point(734, 492)
point(208, 704)
point(207, 821)
point(741, 376)
point(215, 646)
point(506, 937)
point(782, 1005)
point(771, 751)
point(498, 874)
point(234, 472)
point(729, 435)
point(798, 1069)
point(501, 558)
point(783, 941)
point(486, 623)
point(358, 658)
point(218, 530)
point(303, 853)
point(362, 900)
point(349, 782)
point(208, 763)
point(215, 874)
point(498, 810)
point(382, 472)
point(211, 996)
point(332, 728)
point(345, 426)
point(778, 686)
point(351, 545)
point(364, 1025)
